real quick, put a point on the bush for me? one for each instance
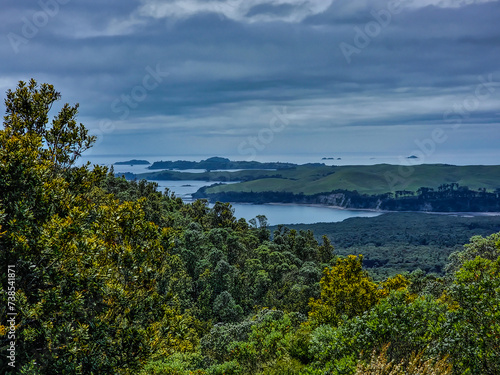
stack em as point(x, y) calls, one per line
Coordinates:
point(176, 364)
point(380, 365)
point(409, 327)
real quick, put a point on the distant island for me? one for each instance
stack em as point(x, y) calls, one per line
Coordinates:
point(218, 163)
point(133, 162)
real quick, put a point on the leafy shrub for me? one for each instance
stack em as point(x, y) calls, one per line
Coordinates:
point(409, 327)
point(380, 365)
point(346, 289)
point(471, 331)
point(176, 364)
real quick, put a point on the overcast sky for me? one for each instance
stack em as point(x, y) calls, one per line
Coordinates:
point(264, 77)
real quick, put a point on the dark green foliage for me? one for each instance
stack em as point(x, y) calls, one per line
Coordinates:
point(409, 327)
point(176, 364)
point(471, 331)
point(225, 309)
point(403, 242)
point(422, 283)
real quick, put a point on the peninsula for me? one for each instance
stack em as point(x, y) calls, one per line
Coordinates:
point(426, 187)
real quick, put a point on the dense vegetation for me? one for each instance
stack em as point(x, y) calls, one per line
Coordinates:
point(114, 277)
point(401, 242)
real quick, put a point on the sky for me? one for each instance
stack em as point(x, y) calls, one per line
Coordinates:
point(266, 77)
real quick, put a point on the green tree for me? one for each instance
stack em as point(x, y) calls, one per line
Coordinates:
point(484, 247)
point(325, 251)
point(225, 309)
point(346, 289)
point(472, 331)
point(269, 344)
point(407, 326)
point(27, 111)
point(96, 290)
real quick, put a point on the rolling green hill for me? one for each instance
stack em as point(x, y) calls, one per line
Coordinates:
point(373, 179)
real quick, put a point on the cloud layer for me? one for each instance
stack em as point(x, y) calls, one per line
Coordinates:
point(173, 77)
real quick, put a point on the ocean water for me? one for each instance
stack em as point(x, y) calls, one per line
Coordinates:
point(354, 158)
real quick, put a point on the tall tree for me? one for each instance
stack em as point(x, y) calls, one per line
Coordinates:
point(346, 289)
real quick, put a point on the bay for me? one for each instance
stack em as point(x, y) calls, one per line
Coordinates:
point(297, 214)
point(275, 213)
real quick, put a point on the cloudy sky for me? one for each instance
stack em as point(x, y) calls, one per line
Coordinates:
point(266, 77)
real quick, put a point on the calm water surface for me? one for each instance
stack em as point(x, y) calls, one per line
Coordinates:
point(296, 214)
point(275, 213)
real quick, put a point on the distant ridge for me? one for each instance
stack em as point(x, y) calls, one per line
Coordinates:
point(218, 163)
point(133, 162)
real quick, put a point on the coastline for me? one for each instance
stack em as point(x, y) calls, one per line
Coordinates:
point(461, 214)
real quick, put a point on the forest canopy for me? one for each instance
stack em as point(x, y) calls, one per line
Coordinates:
point(106, 276)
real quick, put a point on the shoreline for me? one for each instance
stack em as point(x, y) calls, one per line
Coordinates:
point(462, 214)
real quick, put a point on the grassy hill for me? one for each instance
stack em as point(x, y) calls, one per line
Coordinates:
point(373, 179)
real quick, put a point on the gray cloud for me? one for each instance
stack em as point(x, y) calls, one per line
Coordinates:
point(278, 10)
point(230, 63)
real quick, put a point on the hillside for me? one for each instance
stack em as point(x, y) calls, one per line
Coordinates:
point(373, 179)
point(310, 179)
point(435, 188)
